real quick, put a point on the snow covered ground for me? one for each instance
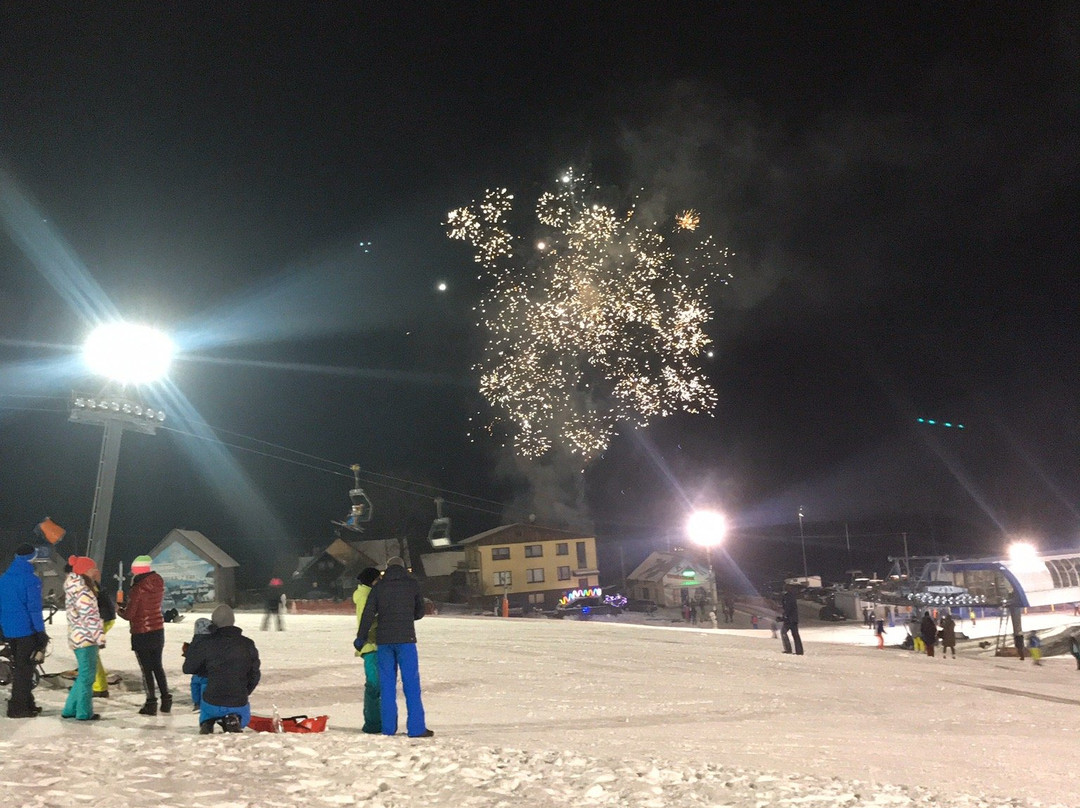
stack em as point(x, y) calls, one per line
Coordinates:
point(586, 713)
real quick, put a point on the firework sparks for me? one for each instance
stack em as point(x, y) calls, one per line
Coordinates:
point(688, 220)
point(601, 325)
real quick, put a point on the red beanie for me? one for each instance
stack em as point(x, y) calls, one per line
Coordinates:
point(81, 565)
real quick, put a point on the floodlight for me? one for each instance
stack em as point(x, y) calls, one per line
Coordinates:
point(706, 528)
point(128, 353)
point(1022, 551)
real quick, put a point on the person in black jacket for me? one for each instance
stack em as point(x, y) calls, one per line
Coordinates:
point(928, 632)
point(230, 663)
point(397, 604)
point(107, 610)
point(791, 621)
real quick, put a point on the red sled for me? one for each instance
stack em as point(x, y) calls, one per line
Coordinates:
point(296, 723)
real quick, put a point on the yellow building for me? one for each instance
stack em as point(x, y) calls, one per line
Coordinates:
point(532, 566)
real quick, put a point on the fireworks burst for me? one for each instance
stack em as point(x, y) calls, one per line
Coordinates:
point(688, 220)
point(601, 324)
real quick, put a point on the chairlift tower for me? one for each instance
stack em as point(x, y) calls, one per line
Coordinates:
point(124, 354)
point(115, 414)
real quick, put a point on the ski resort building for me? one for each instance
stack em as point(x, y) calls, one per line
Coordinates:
point(1035, 580)
point(671, 579)
point(532, 566)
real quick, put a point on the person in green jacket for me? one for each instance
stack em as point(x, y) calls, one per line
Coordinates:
point(367, 578)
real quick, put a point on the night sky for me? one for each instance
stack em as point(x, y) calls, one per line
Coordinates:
point(267, 182)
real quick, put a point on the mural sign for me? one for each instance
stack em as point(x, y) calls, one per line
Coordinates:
point(188, 578)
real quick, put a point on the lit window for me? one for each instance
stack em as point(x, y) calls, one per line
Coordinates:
point(502, 578)
point(535, 576)
point(534, 550)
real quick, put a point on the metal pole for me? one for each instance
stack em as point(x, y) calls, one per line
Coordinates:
point(802, 539)
point(103, 492)
point(712, 572)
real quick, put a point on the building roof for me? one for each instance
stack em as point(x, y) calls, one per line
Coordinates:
point(519, 533)
point(1031, 577)
point(658, 565)
point(200, 544)
point(345, 553)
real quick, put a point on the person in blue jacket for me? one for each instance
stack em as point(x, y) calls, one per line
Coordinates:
point(24, 628)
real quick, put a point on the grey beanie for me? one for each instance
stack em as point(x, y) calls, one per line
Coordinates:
point(223, 616)
point(395, 561)
point(202, 625)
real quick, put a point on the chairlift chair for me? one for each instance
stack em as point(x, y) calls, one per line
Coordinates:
point(439, 532)
point(361, 509)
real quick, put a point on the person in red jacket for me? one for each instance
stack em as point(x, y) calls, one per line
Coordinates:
point(142, 609)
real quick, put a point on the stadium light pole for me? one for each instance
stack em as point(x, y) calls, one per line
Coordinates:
point(802, 540)
point(124, 354)
point(707, 529)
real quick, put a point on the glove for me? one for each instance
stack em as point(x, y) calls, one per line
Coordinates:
point(183, 648)
point(101, 644)
point(43, 642)
point(358, 643)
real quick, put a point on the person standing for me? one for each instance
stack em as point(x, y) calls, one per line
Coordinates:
point(142, 609)
point(948, 635)
point(928, 633)
point(1035, 646)
point(107, 610)
point(230, 663)
point(24, 628)
point(790, 605)
point(397, 604)
point(367, 579)
point(85, 635)
point(275, 603)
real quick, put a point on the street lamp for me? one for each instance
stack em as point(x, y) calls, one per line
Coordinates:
point(124, 354)
point(802, 540)
point(707, 528)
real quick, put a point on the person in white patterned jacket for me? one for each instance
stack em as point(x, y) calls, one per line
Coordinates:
point(85, 634)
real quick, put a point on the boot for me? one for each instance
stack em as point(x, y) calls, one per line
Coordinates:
point(101, 694)
point(207, 727)
point(166, 703)
point(150, 708)
point(231, 723)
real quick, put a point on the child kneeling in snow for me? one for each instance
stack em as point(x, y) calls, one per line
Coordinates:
point(230, 663)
